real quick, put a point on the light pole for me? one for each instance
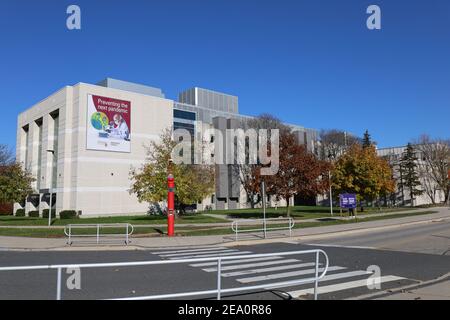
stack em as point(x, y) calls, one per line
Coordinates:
point(331, 193)
point(51, 189)
point(329, 178)
point(263, 192)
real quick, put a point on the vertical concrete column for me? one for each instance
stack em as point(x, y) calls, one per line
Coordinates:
point(46, 158)
point(64, 173)
point(234, 183)
point(32, 160)
point(221, 169)
point(21, 147)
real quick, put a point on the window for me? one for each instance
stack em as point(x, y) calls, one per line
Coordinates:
point(186, 115)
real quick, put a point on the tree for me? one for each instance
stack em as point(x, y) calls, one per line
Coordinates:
point(249, 174)
point(334, 143)
point(435, 154)
point(300, 172)
point(15, 183)
point(193, 183)
point(362, 172)
point(410, 178)
point(367, 140)
point(6, 156)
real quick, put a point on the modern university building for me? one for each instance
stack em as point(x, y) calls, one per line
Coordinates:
point(81, 142)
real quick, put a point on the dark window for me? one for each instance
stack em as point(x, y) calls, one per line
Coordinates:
point(180, 114)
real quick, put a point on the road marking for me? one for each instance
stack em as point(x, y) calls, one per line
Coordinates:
point(286, 274)
point(211, 255)
point(193, 253)
point(341, 286)
point(190, 250)
point(339, 246)
point(251, 271)
point(343, 275)
point(207, 264)
point(251, 265)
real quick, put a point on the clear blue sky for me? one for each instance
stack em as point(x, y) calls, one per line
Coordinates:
point(309, 62)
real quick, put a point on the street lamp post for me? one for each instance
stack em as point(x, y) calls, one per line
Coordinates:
point(51, 189)
point(331, 193)
point(263, 192)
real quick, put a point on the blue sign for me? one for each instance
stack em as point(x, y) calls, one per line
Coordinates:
point(347, 200)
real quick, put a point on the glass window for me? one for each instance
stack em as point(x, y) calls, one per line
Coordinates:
point(180, 114)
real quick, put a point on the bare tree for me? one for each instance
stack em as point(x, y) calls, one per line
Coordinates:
point(249, 174)
point(6, 155)
point(435, 155)
point(333, 143)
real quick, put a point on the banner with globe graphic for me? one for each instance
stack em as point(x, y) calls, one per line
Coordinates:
point(108, 124)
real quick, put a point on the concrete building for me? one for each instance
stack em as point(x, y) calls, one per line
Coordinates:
point(401, 197)
point(81, 142)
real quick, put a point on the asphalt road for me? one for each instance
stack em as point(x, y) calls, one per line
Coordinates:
point(404, 256)
point(431, 238)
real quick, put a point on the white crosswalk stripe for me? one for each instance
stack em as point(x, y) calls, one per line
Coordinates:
point(286, 274)
point(207, 264)
point(195, 253)
point(212, 255)
point(251, 265)
point(263, 270)
point(341, 286)
point(271, 268)
point(190, 250)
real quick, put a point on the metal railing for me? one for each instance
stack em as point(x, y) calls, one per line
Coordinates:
point(236, 229)
point(128, 231)
point(218, 292)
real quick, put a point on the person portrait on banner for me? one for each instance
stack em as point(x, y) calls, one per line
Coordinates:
point(119, 129)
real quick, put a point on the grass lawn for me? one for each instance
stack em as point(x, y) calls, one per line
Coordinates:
point(186, 231)
point(134, 220)
point(298, 212)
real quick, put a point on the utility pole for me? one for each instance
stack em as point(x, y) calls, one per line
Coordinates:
point(263, 192)
point(331, 193)
point(51, 189)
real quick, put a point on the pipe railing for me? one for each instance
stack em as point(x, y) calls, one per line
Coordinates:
point(128, 231)
point(218, 291)
point(265, 227)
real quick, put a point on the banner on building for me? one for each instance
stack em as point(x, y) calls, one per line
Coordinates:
point(108, 124)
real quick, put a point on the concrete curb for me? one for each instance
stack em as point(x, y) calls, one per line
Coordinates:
point(390, 292)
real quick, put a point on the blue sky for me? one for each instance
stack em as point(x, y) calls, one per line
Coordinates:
point(309, 62)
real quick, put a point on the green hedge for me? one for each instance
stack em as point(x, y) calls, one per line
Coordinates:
point(45, 213)
point(68, 214)
point(20, 213)
point(33, 214)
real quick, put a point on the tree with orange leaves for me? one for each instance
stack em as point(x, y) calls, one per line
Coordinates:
point(300, 172)
point(361, 171)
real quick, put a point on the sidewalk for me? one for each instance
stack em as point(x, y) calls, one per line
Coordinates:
point(22, 243)
point(438, 291)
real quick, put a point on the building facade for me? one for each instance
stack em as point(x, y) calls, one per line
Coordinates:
point(401, 196)
point(81, 142)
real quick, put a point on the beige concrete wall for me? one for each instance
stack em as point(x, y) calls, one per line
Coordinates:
point(103, 180)
point(95, 182)
point(41, 110)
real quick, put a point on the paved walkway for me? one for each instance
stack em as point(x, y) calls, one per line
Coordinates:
point(438, 291)
point(8, 243)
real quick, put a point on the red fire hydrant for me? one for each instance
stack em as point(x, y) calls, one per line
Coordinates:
point(170, 205)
